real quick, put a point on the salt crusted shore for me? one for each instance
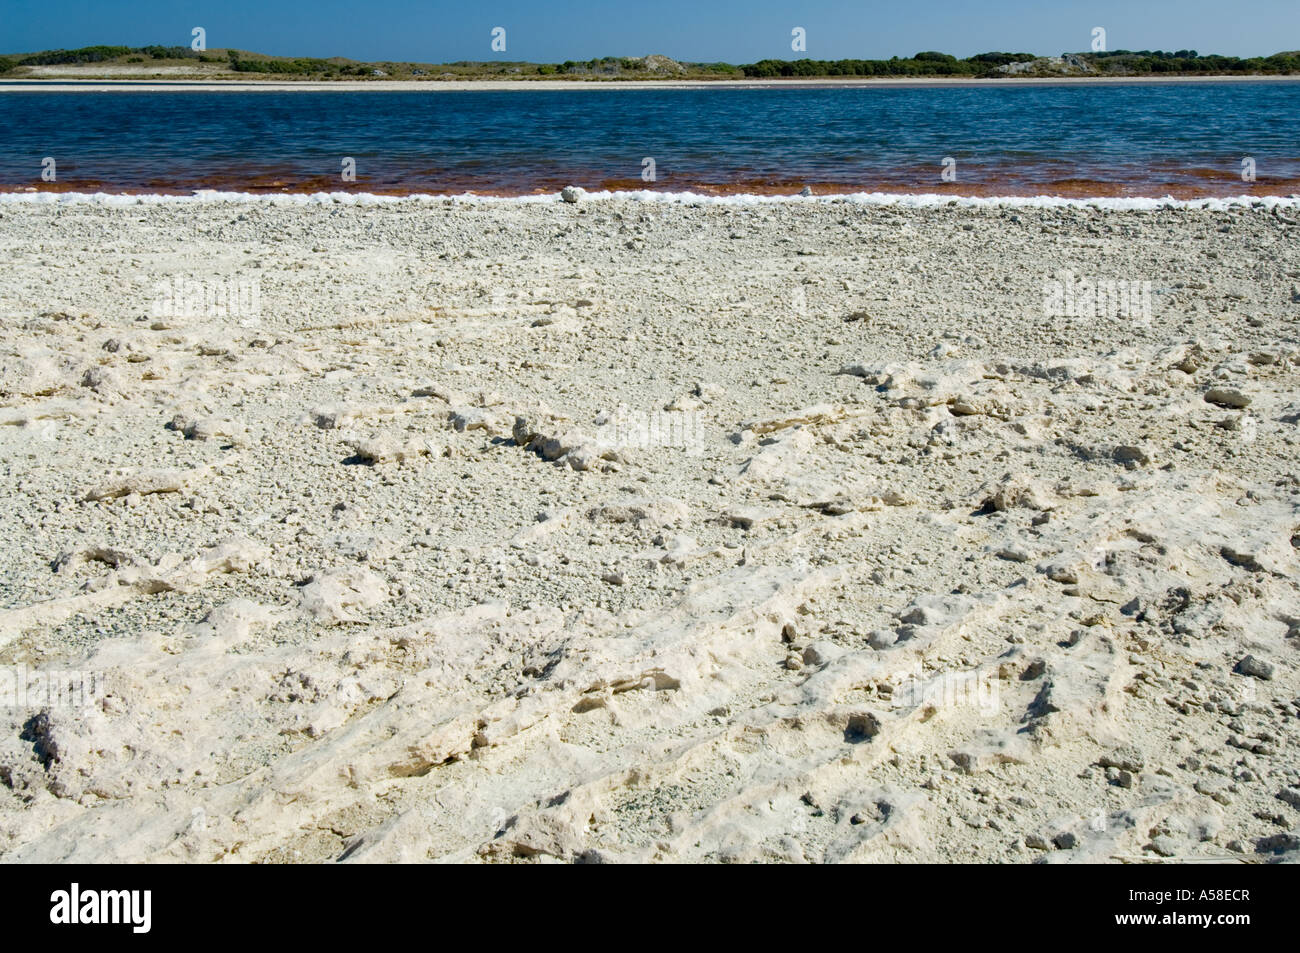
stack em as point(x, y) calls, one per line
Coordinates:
point(618, 531)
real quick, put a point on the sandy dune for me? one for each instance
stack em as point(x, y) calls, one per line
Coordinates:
point(616, 531)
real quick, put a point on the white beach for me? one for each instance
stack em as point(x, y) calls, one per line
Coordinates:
point(626, 530)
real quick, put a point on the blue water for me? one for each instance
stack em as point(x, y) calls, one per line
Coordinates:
point(1138, 139)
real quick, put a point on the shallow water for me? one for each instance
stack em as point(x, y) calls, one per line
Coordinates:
point(1181, 140)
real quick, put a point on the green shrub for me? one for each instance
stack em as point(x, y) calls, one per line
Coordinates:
point(87, 54)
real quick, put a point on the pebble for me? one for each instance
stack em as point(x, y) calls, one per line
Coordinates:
point(1227, 397)
point(1256, 667)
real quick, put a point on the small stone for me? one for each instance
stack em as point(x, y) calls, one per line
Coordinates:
point(1164, 845)
point(862, 726)
point(1227, 397)
point(1277, 842)
point(1126, 758)
point(572, 194)
point(1013, 552)
point(819, 653)
point(1214, 788)
point(882, 638)
point(1256, 667)
point(1132, 456)
point(1062, 573)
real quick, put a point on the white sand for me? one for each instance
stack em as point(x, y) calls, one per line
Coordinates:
point(898, 567)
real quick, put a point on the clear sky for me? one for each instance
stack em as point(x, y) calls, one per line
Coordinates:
point(736, 31)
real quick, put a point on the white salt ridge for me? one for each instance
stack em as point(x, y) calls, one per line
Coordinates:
point(209, 196)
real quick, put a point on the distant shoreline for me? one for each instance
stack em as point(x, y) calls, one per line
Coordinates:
point(494, 85)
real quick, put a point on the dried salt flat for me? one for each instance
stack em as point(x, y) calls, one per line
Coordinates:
point(614, 543)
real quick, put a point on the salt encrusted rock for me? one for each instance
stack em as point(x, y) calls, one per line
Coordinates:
point(747, 517)
point(543, 435)
point(1166, 845)
point(1013, 552)
point(1255, 667)
point(102, 380)
point(1132, 456)
point(335, 416)
point(554, 446)
point(196, 427)
point(821, 653)
point(1059, 571)
point(881, 639)
point(1014, 491)
point(34, 375)
point(330, 597)
point(474, 418)
point(572, 194)
point(1227, 397)
point(237, 554)
point(809, 416)
point(935, 609)
point(539, 434)
point(446, 394)
point(1125, 757)
point(142, 483)
point(648, 513)
point(683, 403)
point(1278, 843)
point(585, 457)
point(386, 448)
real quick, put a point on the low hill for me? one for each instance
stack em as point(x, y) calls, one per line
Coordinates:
point(180, 62)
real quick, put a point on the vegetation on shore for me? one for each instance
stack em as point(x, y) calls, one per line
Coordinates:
point(218, 63)
point(993, 65)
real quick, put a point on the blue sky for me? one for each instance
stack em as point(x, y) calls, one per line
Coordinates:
point(736, 31)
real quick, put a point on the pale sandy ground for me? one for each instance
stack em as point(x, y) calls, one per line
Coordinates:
point(381, 574)
point(141, 83)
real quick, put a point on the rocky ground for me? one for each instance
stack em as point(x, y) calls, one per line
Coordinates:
point(616, 531)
